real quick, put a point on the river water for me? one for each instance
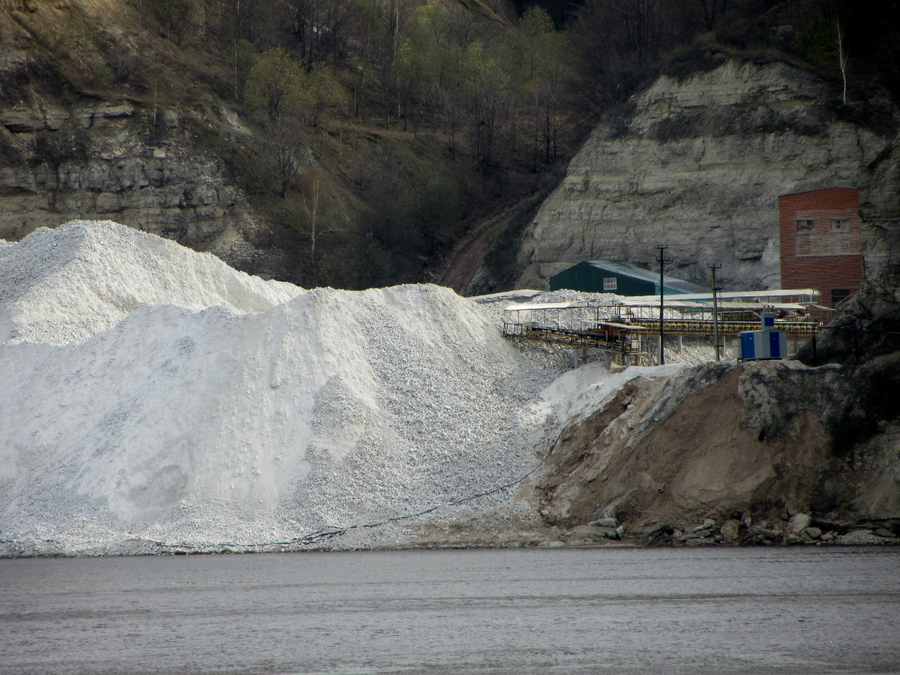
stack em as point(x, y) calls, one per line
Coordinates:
point(603, 610)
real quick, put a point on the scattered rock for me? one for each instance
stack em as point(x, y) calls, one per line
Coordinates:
point(605, 522)
point(859, 538)
point(830, 526)
point(798, 523)
point(608, 532)
point(730, 530)
point(759, 535)
point(595, 531)
point(813, 532)
point(707, 526)
point(657, 535)
point(700, 541)
point(584, 532)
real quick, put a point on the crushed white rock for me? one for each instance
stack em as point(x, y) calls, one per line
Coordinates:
point(153, 396)
point(66, 285)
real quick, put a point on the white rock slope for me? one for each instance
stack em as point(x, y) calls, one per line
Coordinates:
point(148, 394)
point(698, 165)
point(66, 285)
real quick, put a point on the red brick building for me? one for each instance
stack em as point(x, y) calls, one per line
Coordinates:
point(820, 243)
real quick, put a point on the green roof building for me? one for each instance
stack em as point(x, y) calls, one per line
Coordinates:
point(611, 276)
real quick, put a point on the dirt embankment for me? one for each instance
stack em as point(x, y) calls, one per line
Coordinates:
point(722, 453)
point(747, 445)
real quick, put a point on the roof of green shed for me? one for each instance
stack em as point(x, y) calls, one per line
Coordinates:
point(624, 269)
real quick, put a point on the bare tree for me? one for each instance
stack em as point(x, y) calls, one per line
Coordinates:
point(620, 42)
point(843, 55)
point(322, 28)
point(286, 154)
point(711, 10)
point(447, 101)
point(488, 88)
point(315, 207)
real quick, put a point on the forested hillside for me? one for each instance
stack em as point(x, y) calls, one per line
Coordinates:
point(356, 142)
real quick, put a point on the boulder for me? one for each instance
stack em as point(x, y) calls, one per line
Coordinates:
point(594, 531)
point(759, 534)
point(798, 523)
point(707, 526)
point(605, 522)
point(585, 532)
point(657, 535)
point(813, 532)
point(730, 530)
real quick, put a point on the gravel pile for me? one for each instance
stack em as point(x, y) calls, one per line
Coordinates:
point(590, 299)
point(66, 285)
point(168, 401)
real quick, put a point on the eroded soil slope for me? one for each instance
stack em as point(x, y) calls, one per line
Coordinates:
point(747, 442)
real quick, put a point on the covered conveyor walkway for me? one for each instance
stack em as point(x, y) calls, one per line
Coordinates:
point(619, 327)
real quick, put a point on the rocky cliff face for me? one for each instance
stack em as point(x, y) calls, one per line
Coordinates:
point(103, 161)
point(698, 164)
point(77, 144)
point(880, 235)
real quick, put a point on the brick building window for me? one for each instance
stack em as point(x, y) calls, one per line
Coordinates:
point(805, 224)
point(839, 294)
point(609, 283)
point(840, 224)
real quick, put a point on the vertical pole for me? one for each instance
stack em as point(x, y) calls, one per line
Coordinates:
point(662, 264)
point(814, 350)
point(715, 309)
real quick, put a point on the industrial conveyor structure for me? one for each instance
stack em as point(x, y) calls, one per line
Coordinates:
point(577, 325)
point(619, 327)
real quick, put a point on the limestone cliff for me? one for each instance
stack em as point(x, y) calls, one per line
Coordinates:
point(697, 163)
point(100, 164)
point(72, 149)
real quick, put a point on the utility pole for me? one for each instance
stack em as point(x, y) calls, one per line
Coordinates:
point(662, 264)
point(715, 307)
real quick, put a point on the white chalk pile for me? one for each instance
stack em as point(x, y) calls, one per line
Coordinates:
point(152, 396)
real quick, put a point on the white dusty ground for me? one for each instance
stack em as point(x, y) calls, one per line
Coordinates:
point(152, 397)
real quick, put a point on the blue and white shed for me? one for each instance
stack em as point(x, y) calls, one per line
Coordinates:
point(766, 343)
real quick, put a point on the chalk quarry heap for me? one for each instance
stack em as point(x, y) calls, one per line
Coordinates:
point(153, 399)
point(153, 395)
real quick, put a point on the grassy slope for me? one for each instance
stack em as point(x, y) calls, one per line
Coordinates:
point(71, 44)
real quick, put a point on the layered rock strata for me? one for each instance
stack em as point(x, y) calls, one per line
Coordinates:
point(95, 161)
point(698, 164)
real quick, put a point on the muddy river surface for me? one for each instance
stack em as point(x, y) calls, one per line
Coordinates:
point(606, 610)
